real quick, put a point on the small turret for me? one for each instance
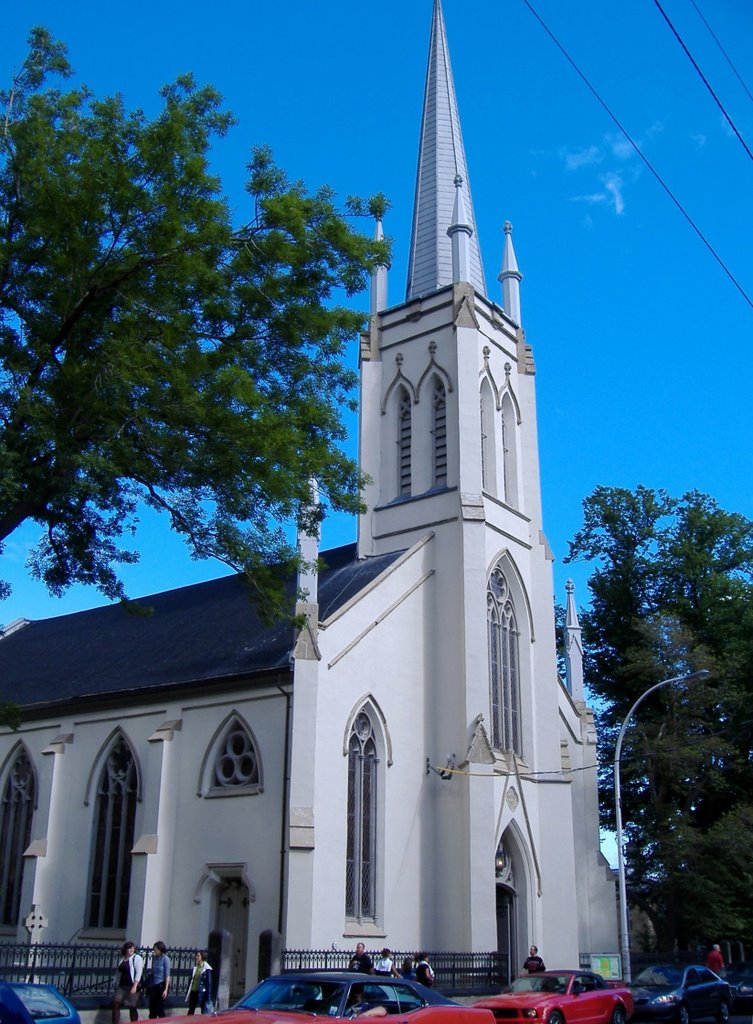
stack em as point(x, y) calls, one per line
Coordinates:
point(460, 232)
point(573, 647)
point(510, 278)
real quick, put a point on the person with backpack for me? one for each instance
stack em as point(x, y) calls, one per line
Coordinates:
point(424, 973)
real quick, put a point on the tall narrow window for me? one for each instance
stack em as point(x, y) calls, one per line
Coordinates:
point(360, 868)
point(503, 665)
point(484, 470)
point(509, 453)
point(114, 822)
point(439, 433)
point(488, 453)
point(16, 813)
point(404, 442)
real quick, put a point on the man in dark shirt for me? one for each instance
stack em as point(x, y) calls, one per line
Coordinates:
point(361, 961)
point(534, 963)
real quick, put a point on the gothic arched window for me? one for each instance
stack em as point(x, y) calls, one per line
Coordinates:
point(509, 452)
point(439, 434)
point(488, 457)
point(404, 440)
point(114, 824)
point(360, 868)
point(16, 812)
point(504, 681)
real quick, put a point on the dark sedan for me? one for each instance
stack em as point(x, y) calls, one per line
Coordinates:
point(740, 977)
point(683, 994)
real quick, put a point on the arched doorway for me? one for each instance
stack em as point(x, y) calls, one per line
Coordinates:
point(507, 937)
point(232, 900)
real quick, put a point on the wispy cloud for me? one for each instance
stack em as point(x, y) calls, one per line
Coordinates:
point(610, 195)
point(576, 159)
point(613, 185)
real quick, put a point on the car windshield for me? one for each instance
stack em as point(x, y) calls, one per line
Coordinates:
point(659, 975)
point(295, 995)
point(540, 983)
point(42, 1003)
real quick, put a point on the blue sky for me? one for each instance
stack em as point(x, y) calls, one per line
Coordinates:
point(642, 344)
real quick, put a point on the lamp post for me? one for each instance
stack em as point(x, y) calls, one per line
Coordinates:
point(624, 922)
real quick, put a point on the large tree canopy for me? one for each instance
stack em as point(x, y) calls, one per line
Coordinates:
point(672, 592)
point(150, 350)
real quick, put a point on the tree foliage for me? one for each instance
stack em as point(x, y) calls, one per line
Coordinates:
point(150, 350)
point(672, 592)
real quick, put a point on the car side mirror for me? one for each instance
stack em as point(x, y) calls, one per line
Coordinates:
point(578, 988)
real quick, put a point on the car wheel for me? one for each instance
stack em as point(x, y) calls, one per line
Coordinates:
point(723, 1013)
point(555, 1017)
point(618, 1015)
point(683, 1014)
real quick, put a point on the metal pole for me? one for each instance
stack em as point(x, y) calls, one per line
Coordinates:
point(624, 920)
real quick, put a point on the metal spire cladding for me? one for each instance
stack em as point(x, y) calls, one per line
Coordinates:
point(441, 159)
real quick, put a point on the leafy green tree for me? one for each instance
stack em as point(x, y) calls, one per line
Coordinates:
point(672, 592)
point(150, 350)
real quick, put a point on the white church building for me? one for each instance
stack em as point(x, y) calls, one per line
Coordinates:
point(410, 770)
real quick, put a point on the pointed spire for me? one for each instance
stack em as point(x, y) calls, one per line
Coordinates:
point(460, 232)
point(510, 278)
point(441, 158)
point(308, 549)
point(378, 277)
point(573, 646)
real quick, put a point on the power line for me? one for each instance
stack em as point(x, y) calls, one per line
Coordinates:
point(724, 54)
point(640, 153)
point(705, 81)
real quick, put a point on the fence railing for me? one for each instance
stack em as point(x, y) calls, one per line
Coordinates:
point(454, 972)
point(81, 969)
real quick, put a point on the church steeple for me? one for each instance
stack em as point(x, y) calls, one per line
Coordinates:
point(441, 159)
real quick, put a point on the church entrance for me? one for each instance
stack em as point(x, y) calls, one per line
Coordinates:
point(506, 932)
point(232, 903)
point(507, 913)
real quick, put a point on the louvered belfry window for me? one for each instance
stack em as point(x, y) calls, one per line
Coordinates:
point(114, 823)
point(16, 815)
point(360, 870)
point(404, 443)
point(439, 432)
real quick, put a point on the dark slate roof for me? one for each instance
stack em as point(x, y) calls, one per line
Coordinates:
point(208, 631)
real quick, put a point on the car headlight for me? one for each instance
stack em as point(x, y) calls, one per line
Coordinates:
point(670, 997)
point(530, 1012)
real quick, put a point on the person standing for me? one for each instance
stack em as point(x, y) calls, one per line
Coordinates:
point(715, 960)
point(200, 986)
point(424, 973)
point(534, 963)
point(127, 980)
point(159, 980)
point(385, 965)
point(407, 970)
point(361, 962)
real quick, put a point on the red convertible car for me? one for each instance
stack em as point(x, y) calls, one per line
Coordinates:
point(561, 997)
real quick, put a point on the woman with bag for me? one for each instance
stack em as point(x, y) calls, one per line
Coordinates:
point(127, 981)
point(200, 987)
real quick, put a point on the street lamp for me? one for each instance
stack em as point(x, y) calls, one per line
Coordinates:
point(624, 923)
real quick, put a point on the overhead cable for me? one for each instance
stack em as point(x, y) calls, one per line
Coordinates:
point(642, 155)
point(723, 51)
point(705, 80)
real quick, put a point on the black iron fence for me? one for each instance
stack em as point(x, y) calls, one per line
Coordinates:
point(454, 972)
point(79, 969)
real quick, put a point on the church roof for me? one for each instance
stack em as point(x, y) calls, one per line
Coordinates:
point(196, 634)
point(441, 159)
